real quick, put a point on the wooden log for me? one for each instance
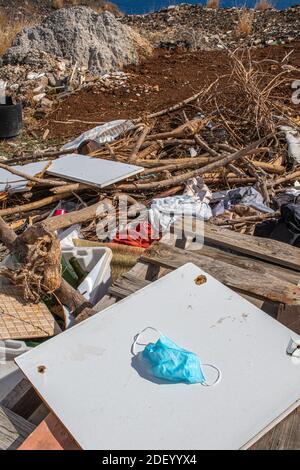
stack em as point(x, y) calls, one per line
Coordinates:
point(192, 163)
point(249, 282)
point(188, 128)
point(77, 217)
point(71, 188)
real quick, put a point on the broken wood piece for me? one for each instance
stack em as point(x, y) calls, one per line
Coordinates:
point(261, 286)
point(13, 429)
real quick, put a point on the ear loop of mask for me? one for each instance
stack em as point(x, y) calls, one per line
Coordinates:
point(215, 382)
point(133, 350)
point(205, 384)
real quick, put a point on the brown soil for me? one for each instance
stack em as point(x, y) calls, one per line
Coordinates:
point(167, 78)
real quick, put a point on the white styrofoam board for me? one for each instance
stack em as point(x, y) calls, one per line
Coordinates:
point(14, 183)
point(94, 171)
point(91, 385)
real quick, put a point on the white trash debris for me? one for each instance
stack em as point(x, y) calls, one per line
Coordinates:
point(293, 140)
point(101, 134)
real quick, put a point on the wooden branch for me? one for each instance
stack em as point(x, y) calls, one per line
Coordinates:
point(7, 235)
point(139, 143)
point(176, 180)
point(190, 163)
point(247, 219)
point(32, 205)
point(25, 176)
point(205, 146)
point(188, 128)
point(284, 179)
point(175, 107)
point(88, 213)
point(269, 167)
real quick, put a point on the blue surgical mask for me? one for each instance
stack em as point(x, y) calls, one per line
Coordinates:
point(167, 361)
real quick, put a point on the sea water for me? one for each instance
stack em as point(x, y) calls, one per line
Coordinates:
point(145, 6)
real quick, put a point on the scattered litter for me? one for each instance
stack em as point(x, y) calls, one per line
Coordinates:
point(165, 211)
point(247, 196)
point(169, 183)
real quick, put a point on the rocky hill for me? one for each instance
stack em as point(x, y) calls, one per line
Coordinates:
point(40, 8)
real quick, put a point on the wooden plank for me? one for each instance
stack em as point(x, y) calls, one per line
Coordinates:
point(243, 280)
point(143, 271)
point(22, 400)
point(50, 435)
point(289, 315)
point(263, 248)
point(13, 429)
point(284, 436)
point(39, 415)
point(256, 265)
point(127, 285)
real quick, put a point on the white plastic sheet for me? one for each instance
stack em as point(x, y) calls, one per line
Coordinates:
point(106, 133)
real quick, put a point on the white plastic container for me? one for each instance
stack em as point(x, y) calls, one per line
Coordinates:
point(10, 348)
point(95, 260)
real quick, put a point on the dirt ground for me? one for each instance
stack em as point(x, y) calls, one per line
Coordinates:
point(165, 79)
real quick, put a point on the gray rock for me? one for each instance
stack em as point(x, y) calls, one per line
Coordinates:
point(97, 41)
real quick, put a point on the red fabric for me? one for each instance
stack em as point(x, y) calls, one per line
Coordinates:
point(141, 236)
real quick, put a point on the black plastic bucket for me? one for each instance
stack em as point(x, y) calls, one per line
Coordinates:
point(11, 120)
